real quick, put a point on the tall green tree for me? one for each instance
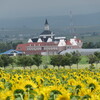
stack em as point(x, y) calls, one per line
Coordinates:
point(69, 59)
point(76, 57)
point(66, 60)
point(6, 60)
point(52, 60)
point(97, 54)
point(25, 61)
point(56, 60)
point(37, 60)
point(12, 61)
point(91, 59)
point(1, 62)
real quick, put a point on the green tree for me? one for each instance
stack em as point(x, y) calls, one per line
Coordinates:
point(37, 60)
point(97, 54)
point(76, 57)
point(52, 60)
point(91, 59)
point(12, 61)
point(8, 45)
point(25, 61)
point(69, 59)
point(6, 60)
point(66, 60)
point(1, 62)
point(97, 45)
point(63, 61)
point(56, 60)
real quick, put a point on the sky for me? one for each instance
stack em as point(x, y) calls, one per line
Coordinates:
point(31, 8)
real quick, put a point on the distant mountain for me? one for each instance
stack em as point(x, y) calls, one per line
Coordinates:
point(54, 21)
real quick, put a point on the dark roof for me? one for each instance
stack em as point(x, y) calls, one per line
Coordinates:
point(46, 22)
point(46, 32)
point(35, 39)
point(44, 39)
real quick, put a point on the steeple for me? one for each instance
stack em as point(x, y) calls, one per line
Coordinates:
point(46, 27)
point(46, 22)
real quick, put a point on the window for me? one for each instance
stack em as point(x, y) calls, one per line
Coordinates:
point(42, 48)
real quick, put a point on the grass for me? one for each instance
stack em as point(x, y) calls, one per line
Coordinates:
point(45, 60)
point(74, 66)
point(84, 60)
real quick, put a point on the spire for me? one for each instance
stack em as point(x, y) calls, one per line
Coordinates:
point(46, 22)
point(46, 27)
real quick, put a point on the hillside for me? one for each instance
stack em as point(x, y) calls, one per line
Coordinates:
point(85, 27)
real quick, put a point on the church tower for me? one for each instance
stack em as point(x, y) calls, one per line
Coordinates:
point(46, 27)
point(47, 35)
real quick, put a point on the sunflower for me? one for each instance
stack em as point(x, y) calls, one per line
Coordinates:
point(18, 87)
point(95, 97)
point(44, 91)
point(72, 82)
point(1, 85)
point(6, 95)
point(84, 91)
point(93, 85)
point(63, 97)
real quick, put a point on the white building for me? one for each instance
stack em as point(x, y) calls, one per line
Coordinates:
point(48, 43)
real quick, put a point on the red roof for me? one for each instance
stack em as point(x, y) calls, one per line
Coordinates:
point(68, 42)
point(40, 43)
point(78, 40)
point(22, 47)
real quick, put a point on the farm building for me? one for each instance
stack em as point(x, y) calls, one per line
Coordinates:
point(47, 43)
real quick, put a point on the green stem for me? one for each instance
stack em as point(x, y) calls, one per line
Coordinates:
point(28, 94)
point(21, 96)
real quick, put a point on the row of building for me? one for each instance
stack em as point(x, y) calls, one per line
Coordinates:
point(48, 44)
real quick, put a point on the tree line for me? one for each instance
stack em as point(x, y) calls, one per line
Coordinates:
point(22, 61)
point(8, 45)
point(55, 60)
point(91, 45)
point(74, 58)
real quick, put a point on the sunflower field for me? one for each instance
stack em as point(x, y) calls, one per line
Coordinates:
point(50, 84)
